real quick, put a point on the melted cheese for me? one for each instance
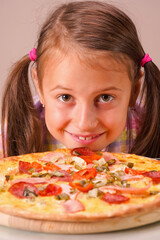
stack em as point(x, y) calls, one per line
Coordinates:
point(95, 206)
point(140, 163)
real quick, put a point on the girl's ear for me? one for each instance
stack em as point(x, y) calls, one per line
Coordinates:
point(135, 91)
point(36, 83)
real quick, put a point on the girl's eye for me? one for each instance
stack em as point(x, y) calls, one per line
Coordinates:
point(105, 98)
point(65, 98)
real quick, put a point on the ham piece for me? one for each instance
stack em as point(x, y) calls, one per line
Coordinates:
point(72, 206)
point(51, 157)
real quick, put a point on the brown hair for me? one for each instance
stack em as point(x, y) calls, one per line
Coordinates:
point(88, 25)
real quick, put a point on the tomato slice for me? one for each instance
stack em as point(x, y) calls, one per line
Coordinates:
point(154, 175)
point(133, 171)
point(85, 153)
point(37, 166)
point(91, 158)
point(51, 166)
point(114, 198)
point(87, 173)
point(80, 187)
point(50, 190)
point(24, 167)
point(82, 151)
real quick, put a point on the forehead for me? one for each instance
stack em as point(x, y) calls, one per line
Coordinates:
point(91, 60)
point(82, 75)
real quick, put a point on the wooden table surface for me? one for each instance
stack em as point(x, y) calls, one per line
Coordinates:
point(148, 232)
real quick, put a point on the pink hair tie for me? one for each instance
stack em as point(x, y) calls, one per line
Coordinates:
point(33, 55)
point(145, 59)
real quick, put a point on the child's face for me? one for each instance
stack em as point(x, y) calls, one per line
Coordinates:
point(85, 106)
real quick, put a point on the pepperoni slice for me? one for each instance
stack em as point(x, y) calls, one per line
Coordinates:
point(24, 167)
point(50, 190)
point(114, 198)
point(80, 187)
point(23, 190)
point(87, 173)
point(85, 153)
point(154, 175)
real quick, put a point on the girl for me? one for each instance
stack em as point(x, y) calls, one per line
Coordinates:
point(87, 67)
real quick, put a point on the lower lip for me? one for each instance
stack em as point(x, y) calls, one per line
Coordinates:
point(85, 141)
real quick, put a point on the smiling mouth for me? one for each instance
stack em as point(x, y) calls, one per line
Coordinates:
point(85, 139)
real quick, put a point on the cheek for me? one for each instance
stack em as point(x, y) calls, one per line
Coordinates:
point(115, 120)
point(115, 123)
point(55, 118)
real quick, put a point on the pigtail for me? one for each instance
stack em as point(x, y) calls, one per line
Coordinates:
point(147, 142)
point(21, 130)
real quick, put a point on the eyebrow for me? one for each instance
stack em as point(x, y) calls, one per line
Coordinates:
point(60, 87)
point(110, 88)
point(101, 90)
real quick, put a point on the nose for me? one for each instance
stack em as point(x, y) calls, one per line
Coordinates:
point(86, 118)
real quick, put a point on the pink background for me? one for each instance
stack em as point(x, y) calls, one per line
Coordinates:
point(20, 21)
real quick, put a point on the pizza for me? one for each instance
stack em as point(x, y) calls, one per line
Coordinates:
point(70, 185)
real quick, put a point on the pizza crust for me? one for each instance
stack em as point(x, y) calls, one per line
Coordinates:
point(61, 227)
